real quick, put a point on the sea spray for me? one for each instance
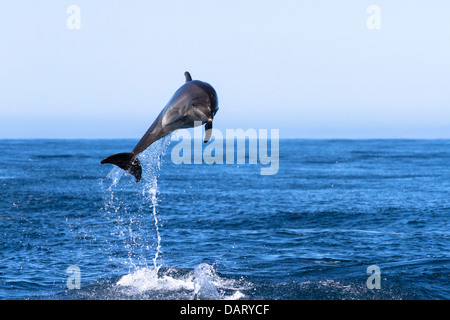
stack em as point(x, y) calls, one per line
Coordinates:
point(204, 282)
point(126, 207)
point(127, 204)
point(151, 190)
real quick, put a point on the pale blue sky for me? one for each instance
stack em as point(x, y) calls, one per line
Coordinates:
point(309, 68)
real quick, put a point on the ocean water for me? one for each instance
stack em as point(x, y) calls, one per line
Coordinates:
point(334, 209)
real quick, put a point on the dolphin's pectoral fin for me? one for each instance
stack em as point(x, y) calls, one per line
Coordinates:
point(127, 162)
point(188, 76)
point(208, 130)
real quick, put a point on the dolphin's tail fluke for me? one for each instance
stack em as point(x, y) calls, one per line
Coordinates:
point(127, 162)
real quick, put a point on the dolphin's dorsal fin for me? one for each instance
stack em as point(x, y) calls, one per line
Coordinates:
point(188, 76)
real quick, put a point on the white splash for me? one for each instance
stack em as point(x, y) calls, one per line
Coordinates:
point(146, 279)
point(203, 282)
point(127, 205)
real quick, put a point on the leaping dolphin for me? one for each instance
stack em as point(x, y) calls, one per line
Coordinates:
point(193, 103)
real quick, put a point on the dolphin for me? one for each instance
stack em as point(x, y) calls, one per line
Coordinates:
point(194, 103)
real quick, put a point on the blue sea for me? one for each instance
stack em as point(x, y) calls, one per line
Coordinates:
point(336, 211)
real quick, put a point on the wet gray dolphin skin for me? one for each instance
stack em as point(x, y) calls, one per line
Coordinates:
point(194, 102)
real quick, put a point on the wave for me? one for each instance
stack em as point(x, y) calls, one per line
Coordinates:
point(62, 156)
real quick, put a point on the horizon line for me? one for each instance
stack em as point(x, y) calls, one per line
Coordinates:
point(291, 138)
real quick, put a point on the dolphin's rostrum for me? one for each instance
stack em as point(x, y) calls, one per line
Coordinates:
point(194, 102)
